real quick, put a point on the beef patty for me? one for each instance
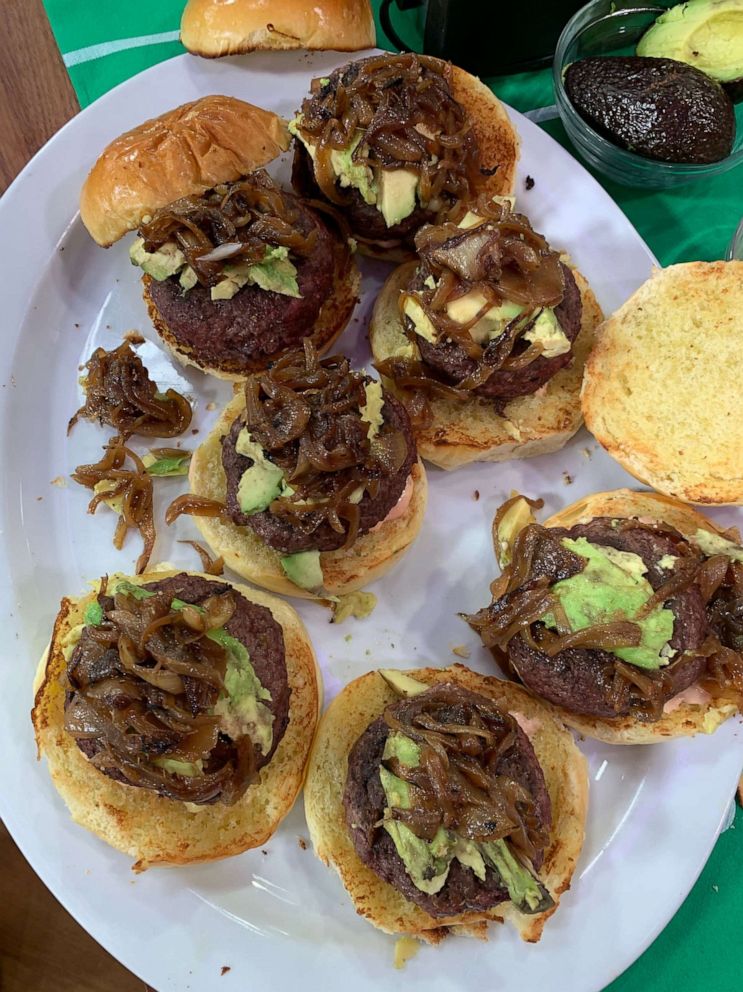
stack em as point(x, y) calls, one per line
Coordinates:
point(256, 323)
point(451, 361)
point(317, 535)
point(581, 679)
point(251, 624)
point(364, 803)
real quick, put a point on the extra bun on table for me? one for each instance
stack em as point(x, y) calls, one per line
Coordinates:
point(184, 152)
point(576, 680)
point(212, 28)
point(339, 752)
point(516, 411)
point(496, 144)
point(662, 391)
point(137, 820)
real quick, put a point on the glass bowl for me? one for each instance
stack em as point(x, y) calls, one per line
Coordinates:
point(735, 250)
point(613, 27)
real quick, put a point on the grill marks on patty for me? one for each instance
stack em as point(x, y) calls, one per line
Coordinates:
point(279, 533)
point(581, 679)
point(364, 802)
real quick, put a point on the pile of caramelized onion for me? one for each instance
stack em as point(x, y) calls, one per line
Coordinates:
point(463, 739)
point(523, 594)
point(234, 222)
point(141, 685)
point(503, 259)
point(408, 119)
point(120, 393)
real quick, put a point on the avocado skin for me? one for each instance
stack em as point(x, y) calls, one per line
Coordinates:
point(658, 108)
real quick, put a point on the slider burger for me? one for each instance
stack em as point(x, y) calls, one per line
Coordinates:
point(176, 713)
point(395, 141)
point(235, 269)
point(624, 610)
point(444, 800)
point(310, 481)
point(485, 338)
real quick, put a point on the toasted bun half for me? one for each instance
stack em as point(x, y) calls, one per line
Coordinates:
point(471, 430)
point(334, 315)
point(184, 152)
point(662, 391)
point(371, 556)
point(348, 716)
point(157, 831)
point(688, 718)
point(213, 28)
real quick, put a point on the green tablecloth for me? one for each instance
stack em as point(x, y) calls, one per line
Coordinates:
point(107, 42)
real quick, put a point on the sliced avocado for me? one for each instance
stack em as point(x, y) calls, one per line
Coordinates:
point(524, 891)
point(276, 273)
point(303, 569)
point(396, 198)
point(421, 321)
point(234, 277)
point(547, 330)
point(404, 749)
point(518, 516)
point(357, 604)
point(667, 561)
point(130, 589)
point(427, 872)
point(371, 411)
point(396, 790)
point(187, 278)
point(707, 34)
point(468, 853)
point(170, 466)
point(93, 616)
point(160, 264)
point(352, 173)
point(115, 503)
point(606, 591)
point(493, 321)
point(260, 484)
point(430, 282)
point(630, 562)
point(241, 709)
point(186, 768)
point(402, 684)
point(714, 544)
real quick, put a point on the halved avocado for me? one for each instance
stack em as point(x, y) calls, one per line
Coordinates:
point(707, 34)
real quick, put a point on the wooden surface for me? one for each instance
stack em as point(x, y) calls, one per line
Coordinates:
point(36, 96)
point(42, 949)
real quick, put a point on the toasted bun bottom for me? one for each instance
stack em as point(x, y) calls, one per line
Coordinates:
point(334, 315)
point(140, 823)
point(662, 389)
point(212, 28)
point(348, 716)
point(471, 430)
point(371, 556)
point(689, 718)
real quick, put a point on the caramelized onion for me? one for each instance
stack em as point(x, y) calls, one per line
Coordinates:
point(119, 392)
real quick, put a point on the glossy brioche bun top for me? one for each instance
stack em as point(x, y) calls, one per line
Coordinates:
point(686, 719)
point(151, 829)
point(360, 703)
point(662, 388)
point(213, 28)
point(184, 152)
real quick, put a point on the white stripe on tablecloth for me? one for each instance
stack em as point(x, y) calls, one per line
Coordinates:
point(109, 47)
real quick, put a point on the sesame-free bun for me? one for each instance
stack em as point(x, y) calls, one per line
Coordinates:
point(184, 152)
point(213, 28)
point(370, 557)
point(137, 821)
point(662, 391)
point(332, 319)
point(467, 431)
point(689, 718)
point(348, 716)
